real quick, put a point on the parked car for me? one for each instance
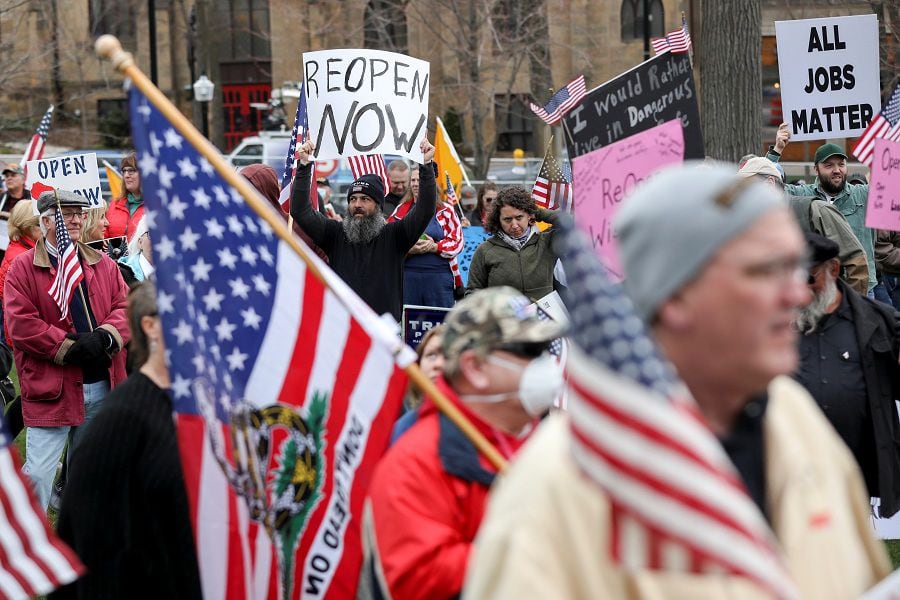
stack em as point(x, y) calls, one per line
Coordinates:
point(269, 147)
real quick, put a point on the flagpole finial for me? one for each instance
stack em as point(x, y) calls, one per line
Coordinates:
point(109, 47)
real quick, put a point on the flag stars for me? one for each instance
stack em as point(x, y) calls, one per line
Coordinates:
point(234, 225)
point(183, 332)
point(199, 363)
point(248, 255)
point(252, 319)
point(155, 144)
point(181, 387)
point(173, 140)
point(265, 255)
point(261, 285)
point(239, 289)
point(236, 360)
point(188, 239)
point(177, 208)
point(202, 325)
point(250, 224)
point(150, 219)
point(165, 176)
point(165, 302)
point(213, 300)
point(214, 229)
point(165, 248)
point(225, 330)
point(201, 269)
point(147, 164)
point(144, 110)
point(187, 168)
point(227, 258)
point(205, 166)
point(201, 198)
point(221, 195)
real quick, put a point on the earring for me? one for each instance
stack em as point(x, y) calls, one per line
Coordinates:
point(153, 345)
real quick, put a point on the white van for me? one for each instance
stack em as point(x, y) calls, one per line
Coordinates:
point(269, 147)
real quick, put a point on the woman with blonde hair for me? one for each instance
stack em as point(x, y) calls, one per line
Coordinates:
point(95, 225)
point(138, 259)
point(24, 233)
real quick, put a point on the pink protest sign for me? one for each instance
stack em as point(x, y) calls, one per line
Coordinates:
point(605, 177)
point(883, 211)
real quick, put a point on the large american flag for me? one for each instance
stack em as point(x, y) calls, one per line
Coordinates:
point(678, 504)
point(678, 41)
point(68, 269)
point(564, 100)
point(33, 561)
point(35, 150)
point(370, 164)
point(886, 124)
point(552, 189)
point(285, 390)
point(301, 126)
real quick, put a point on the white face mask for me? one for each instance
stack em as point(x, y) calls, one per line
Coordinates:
point(539, 385)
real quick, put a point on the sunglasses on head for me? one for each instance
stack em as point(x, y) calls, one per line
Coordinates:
point(525, 349)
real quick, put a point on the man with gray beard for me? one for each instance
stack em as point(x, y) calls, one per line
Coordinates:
point(848, 363)
point(364, 250)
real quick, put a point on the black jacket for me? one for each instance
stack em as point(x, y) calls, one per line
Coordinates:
point(878, 336)
point(373, 270)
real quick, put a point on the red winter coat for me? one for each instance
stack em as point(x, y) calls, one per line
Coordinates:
point(121, 223)
point(51, 392)
point(427, 499)
point(16, 247)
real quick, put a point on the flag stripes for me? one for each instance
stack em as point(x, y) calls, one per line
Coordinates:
point(564, 100)
point(68, 269)
point(35, 149)
point(371, 164)
point(885, 124)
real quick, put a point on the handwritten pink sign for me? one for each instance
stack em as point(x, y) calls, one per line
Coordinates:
point(883, 210)
point(605, 177)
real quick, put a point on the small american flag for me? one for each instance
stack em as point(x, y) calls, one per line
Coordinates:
point(35, 150)
point(450, 196)
point(371, 164)
point(678, 41)
point(34, 561)
point(562, 101)
point(552, 189)
point(68, 268)
point(685, 509)
point(886, 124)
point(301, 125)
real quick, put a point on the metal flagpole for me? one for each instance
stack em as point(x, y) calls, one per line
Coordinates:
point(108, 47)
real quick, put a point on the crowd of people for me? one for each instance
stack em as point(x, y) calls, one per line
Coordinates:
point(773, 303)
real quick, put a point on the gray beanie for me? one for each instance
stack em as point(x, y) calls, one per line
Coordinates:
point(674, 224)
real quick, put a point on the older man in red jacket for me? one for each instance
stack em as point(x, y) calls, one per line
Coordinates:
point(68, 364)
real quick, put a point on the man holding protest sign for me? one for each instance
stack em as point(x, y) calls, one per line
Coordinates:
point(364, 250)
point(831, 185)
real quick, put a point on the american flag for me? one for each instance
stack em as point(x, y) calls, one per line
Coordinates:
point(450, 193)
point(33, 561)
point(68, 269)
point(285, 390)
point(35, 150)
point(886, 124)
point(677, 502)
point(678, 41)
point(552, 189)
point(564, 100)
point(301, 126)
point(370, 164)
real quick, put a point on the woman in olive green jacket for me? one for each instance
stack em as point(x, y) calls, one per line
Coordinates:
point(518, 254)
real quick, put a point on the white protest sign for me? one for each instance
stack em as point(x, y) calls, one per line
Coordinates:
point(366, 102)
point(829, 75)
point(74, 173)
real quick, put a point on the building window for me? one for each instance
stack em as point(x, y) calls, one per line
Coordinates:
point(384, 25)
point(514, 123)
point(245, 26)
point(114, 17)
point(632, 19)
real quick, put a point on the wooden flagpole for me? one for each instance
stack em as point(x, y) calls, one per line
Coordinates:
point(108, 47)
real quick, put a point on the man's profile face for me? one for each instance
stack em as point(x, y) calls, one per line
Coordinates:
point(361, 206)
point(399, 181)
point(738, 312)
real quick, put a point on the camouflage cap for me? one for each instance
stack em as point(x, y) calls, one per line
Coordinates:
point(491, 318)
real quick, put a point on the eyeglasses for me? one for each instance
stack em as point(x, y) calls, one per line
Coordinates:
point(129, 171)
point(70, 215)
point(525, 349)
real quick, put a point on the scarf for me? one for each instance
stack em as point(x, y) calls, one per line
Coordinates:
point(519, 242)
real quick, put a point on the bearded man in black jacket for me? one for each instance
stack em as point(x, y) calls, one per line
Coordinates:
point(363, 249)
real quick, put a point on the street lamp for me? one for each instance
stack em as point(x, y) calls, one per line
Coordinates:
point(203, 93)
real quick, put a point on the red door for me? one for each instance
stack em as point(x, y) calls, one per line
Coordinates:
point(241, 119)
